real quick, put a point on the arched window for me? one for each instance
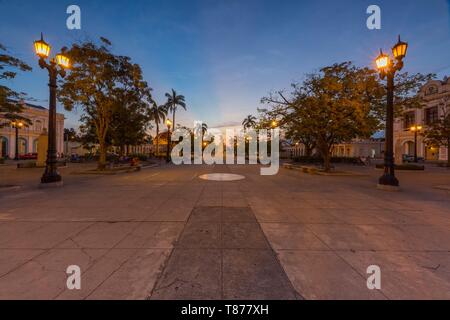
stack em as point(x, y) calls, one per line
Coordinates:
point(4, 147)
point(35, 145)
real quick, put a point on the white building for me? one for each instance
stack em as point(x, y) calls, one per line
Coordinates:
point(368, 148)
point(433, 94)
point(28, 136)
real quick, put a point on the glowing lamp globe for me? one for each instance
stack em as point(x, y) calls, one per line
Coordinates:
point(382, 61)
point(400, 49)
point(63, 61)
point(42, 48)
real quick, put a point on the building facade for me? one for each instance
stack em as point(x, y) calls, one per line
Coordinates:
point(28, 136)
point(433, 94)
point(368, 148)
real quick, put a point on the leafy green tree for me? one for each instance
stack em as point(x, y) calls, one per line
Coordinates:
point(101, 83)
point(10, 108)
point(174, 101)
point(158, 114)
point(339, 103)
point(438, 133)
point(71, 135)
point(336, 104)
point(130, 119)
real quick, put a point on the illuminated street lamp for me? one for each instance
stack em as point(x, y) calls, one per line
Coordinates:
point(387, 69)
point(17, 124)
point(169, 138)
point(55, 66)
point(274, 124)
point(416, 129)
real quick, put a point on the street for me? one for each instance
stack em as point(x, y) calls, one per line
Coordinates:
point(163, 233)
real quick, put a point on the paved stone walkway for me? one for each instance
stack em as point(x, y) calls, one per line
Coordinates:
point(165, 234)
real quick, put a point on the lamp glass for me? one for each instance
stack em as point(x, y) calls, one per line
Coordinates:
point(382, 62)
point(42, 48)
point(63, 61)
point(400, 50)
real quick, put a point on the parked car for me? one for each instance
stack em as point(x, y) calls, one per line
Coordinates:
point(410, 159)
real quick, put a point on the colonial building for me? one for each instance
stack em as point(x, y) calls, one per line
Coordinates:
point(432, 94)
point(368, 148)
point(28, 136)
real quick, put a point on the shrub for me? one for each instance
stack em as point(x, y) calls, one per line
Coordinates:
point(140, 156)
point(319, 160)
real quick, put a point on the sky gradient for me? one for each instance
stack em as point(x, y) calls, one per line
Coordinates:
point(224, 55)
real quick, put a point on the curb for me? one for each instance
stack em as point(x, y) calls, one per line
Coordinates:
point(316, 171)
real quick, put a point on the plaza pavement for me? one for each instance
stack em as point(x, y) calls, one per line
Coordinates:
point(162, 233)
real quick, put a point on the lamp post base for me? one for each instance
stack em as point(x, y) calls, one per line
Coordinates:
point(51, 178)
point(388, 188)
point(388, 182)
point(58, 184)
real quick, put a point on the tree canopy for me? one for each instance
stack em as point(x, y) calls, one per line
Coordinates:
point(10, 107)
point(111, 92)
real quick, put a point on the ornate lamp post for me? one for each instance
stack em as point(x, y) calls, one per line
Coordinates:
point(416, 129)
point(17, 124)
point(387, 68)
point(169, 138)
point(51, 174)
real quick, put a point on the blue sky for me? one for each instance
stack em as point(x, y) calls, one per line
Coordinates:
point(224, 55)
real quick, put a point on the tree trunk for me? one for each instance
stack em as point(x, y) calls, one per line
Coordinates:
point(102, 158)
point(308, 151)
point(448, 153)
point(326, 161)
point(326, 155)
point(173, 123)
point(157, 139)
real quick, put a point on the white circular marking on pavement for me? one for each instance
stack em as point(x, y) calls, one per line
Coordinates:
point(221, 177)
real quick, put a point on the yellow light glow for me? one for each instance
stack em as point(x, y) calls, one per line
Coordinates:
point(20, 124)
point(63, 60)
point(42, 48)
point(168, 123)
point(382, 61)
point(274, 124)
point(400, 49)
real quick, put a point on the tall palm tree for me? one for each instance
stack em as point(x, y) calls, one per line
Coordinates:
point(158, 114)
point(249, 122)
point(173, 102)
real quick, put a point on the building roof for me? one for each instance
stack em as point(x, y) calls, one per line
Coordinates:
point(34, 106)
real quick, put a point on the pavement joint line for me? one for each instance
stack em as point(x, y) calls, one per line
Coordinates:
point(108, 277)
point(42, 253)
point(166, 262)
point(107, 252)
